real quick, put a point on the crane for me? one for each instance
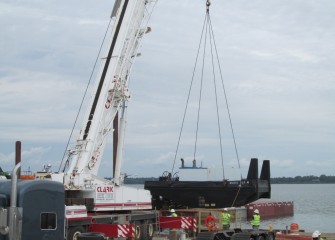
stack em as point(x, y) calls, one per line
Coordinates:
point(110, 97)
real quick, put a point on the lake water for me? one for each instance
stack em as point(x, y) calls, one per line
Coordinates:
point(314, 207)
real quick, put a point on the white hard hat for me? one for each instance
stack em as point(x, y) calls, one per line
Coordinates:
point(256, 211)
point(225, 209)
point(315, 235)
point(317, 232)
point(172, 210)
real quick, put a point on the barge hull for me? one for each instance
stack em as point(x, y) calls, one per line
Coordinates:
point(271, 209)
point(172, 193)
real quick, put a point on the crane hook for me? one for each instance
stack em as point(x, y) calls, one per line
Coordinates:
point(208, 3)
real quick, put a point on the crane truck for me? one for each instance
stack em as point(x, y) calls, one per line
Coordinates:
point(75, 199)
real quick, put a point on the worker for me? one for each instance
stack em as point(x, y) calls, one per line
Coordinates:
point(173, 213)
point(317, 235)
point(256, 220)
point(225, 219)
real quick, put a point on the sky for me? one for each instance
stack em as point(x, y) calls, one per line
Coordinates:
point(277, 59)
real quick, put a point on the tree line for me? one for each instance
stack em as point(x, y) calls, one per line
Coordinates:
point(304, 179)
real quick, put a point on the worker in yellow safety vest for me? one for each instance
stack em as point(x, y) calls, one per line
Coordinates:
point(256, 220)
point(173, 213)
point(225, 219)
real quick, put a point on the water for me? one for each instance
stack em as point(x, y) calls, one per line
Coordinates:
point(314, 207)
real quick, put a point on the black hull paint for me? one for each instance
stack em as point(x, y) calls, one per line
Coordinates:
point(172, 193)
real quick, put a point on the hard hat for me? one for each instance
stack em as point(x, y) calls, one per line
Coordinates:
point(256, 211)
point(317, 232)
point(315, 235)
point(225, 209)
point(172, 210)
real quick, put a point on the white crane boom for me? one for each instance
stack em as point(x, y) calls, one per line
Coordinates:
point(110, 96)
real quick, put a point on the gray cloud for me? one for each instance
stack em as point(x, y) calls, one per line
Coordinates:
point(277, 62)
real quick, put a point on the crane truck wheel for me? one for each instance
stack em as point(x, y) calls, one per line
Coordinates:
point(147, 229)
point(138, 230)
point(73, 232)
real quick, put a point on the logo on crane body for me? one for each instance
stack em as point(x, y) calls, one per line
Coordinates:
point(105, 189)
point(104, 192)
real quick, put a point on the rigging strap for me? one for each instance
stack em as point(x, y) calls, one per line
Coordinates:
point(207, 37)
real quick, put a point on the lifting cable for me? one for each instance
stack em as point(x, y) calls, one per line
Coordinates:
point(188, 98)
point(226, 99)
point(207, 28)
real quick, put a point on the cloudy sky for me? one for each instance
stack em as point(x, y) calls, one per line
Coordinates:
point(278, 66)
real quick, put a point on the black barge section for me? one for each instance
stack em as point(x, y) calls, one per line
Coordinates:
point(169, 192)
